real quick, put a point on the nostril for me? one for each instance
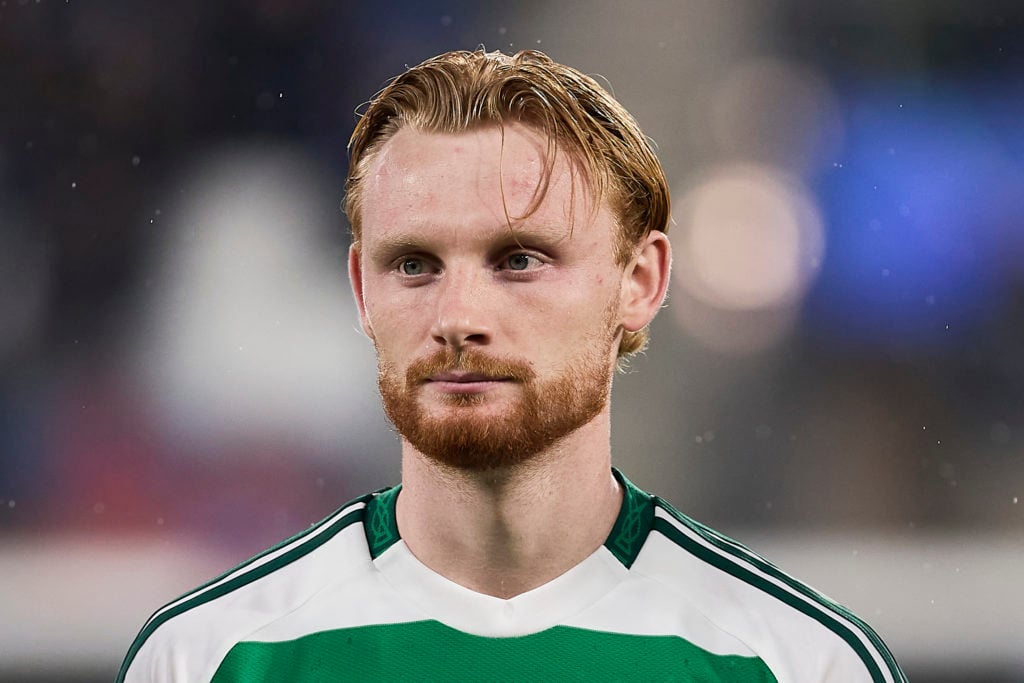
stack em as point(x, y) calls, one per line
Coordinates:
point(457, 329)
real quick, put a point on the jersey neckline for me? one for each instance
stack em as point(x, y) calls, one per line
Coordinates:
point(632, 525)
point(555, 602)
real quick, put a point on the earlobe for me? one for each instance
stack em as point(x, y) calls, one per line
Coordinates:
point(355, 275)
point(645, 281)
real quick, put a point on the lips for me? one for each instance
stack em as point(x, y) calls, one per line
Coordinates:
point(464, 377)
point(465, 371)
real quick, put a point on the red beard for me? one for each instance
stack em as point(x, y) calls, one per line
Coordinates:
point(460, 436)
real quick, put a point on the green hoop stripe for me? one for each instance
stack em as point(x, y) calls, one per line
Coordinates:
point(205, 593)
point(431, 651)
point(817, 609)
point(728, 545)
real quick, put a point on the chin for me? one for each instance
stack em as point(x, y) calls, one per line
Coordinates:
point(442, 406)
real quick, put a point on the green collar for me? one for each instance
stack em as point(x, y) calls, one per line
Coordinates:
point(624, 542)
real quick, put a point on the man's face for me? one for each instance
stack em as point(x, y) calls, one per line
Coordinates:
point(492, 343)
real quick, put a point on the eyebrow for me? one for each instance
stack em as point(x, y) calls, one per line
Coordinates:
point(396, 243)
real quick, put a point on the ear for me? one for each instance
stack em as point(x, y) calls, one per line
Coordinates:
point(645, 281)
point(355, 275)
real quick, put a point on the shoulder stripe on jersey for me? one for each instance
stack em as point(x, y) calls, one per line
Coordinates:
point(251, 570)
point(799, 596)
point(666, 529)
point(268, 554)
point(767, 567)
point(805, 590)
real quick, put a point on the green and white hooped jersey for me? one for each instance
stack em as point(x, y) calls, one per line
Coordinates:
point(664, 599)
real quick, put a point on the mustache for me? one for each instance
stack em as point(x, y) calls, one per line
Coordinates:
point(446, 360)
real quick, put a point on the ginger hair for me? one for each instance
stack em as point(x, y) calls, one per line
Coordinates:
point(460, 91)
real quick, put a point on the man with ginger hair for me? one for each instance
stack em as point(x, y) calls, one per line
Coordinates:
point(509, 252)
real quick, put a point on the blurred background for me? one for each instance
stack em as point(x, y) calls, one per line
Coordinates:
point(837, 378)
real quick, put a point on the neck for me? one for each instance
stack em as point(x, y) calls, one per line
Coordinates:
point(506, 532)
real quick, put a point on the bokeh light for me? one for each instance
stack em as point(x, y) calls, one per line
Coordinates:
point(748, 244)
point(252, 329)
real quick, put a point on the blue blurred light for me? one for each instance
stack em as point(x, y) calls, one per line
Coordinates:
point(913, 213)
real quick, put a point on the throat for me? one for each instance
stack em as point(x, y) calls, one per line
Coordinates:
point(504, 538)
point(505, 562)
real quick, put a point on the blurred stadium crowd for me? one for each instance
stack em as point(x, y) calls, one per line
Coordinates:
point(843, 348)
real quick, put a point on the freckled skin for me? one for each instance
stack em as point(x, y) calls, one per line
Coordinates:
point(443, 192)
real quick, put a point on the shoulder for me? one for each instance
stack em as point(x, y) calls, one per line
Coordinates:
point(186, 639)
point(800, 633)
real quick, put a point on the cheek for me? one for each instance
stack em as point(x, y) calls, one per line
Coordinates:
point(392, 326)
point(562, 328)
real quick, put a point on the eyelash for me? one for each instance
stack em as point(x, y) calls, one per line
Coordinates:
point(503, 264)
point(411, 259)
point(506, 259)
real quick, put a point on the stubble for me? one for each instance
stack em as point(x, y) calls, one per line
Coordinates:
point(465, 433)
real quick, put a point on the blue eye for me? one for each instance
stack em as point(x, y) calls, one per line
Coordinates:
point(519, 261)
point(411, 266)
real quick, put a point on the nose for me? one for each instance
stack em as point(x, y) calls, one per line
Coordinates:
point(462, 314)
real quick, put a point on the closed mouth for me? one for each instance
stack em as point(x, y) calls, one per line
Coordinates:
point(464, 377)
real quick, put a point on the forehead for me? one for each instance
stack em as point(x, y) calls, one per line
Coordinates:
point(506, 172)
